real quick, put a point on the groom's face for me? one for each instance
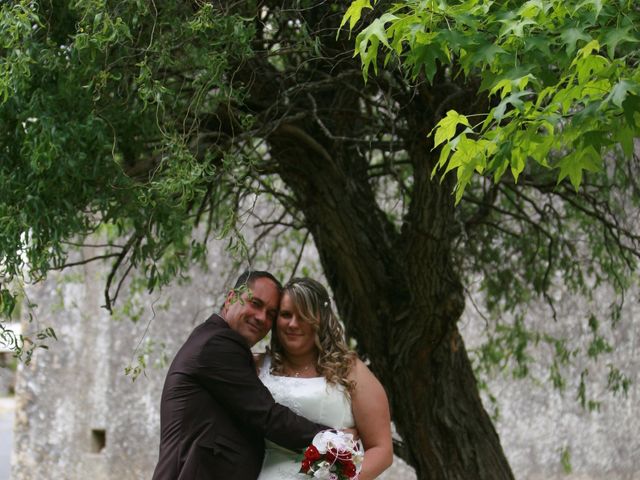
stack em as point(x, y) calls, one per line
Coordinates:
point(253, 313)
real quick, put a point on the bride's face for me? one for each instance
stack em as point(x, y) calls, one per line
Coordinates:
point(296, 336)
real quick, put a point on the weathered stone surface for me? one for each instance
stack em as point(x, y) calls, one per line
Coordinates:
point(77, 389)
point(538, 422)
point(7, 409)
point(7, 381)
point(9, 333)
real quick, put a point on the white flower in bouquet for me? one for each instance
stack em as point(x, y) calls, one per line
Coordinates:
point(341, 441)
point(322, 472)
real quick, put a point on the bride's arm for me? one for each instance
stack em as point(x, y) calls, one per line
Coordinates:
point(370, 408)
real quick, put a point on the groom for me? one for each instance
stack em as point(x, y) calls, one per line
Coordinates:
point(214, 412)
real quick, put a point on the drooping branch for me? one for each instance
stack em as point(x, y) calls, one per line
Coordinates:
point(134, 240)
point(303, 244)
point(86, 261)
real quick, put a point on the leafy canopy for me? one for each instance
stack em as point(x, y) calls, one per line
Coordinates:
point(97, 101)
point(561, 76)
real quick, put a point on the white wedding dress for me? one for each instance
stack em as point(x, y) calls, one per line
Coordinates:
point(312, 398)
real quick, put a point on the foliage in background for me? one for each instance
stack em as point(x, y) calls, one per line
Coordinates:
point(71, 161)
point(562, 79)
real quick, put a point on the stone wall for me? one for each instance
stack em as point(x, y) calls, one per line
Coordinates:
point(7, 360)
point(538, 424)
point(80, 417)
point(7, 375)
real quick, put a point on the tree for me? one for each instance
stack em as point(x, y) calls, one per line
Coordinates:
point(157, 123)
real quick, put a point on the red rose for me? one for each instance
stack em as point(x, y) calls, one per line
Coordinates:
point(349, 469)
point(331, 455)
point(312, 454)
point(306, 465)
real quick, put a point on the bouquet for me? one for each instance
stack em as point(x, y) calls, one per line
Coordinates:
point(333, 455)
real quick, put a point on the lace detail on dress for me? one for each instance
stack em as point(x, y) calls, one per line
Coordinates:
point(280, 388)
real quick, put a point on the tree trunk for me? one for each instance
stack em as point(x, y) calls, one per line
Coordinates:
point(400, 298)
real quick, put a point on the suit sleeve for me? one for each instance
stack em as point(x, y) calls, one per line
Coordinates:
point(226, 369)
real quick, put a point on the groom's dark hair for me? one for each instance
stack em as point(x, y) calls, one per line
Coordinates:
point(249, 276)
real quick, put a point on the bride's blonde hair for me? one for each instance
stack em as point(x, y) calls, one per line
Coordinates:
point(312, 305)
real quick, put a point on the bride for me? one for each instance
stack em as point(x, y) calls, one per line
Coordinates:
point(310, 369)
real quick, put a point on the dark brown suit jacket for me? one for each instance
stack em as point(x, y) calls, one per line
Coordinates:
point(215, 412)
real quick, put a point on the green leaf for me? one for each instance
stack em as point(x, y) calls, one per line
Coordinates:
point(589, 66)
point(516, 26)
point(625, 137)
point(368, 41)
point(517, 162)
point(573, 164)
point(505, 85)
point(354, 12)
point(620, 90)
point(596, 4)
point(513, 99)
point(538, 42)
point(572, 36)
point(469, 157)
point(426, 57)
point(589, 48)
point(565, 97)
point(446, 128)
point(456, 39)
point(517, 77)
point(616, 36)
point(532, 8)
point(444, 156)
point(631, 109)
point(486, 55)
point(500, 168)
